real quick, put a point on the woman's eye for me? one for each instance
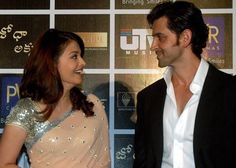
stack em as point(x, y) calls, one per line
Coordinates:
point(74, 57)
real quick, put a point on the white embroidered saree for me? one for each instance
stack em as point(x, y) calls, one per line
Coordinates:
point(72, 141)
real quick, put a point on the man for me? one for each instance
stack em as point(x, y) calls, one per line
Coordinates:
point(187, 119)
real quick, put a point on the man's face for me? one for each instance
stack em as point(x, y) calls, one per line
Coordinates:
point(165, 43)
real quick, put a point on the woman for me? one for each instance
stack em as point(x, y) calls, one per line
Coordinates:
point(58, 124)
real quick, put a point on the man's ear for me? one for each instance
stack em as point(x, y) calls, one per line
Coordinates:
point(186, 37)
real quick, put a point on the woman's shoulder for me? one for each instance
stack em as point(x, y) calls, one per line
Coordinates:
point(94, 99)
point(24, 102)
point(22, 113)
point(98, 105)
point(23, 105)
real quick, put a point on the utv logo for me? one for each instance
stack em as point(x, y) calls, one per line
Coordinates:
point(136, 41)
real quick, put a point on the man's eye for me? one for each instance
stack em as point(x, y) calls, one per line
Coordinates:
point(162, 38)
point(159, 38)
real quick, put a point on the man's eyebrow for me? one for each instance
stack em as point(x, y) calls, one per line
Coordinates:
point(157, 34)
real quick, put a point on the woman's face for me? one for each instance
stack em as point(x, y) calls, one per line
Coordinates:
point(70, 66)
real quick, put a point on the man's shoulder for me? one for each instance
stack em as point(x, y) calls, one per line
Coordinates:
point(219, 76)
point(159, 84)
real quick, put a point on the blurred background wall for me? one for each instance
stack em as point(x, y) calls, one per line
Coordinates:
point(119, 61)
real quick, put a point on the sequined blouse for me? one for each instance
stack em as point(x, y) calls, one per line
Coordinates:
point(71, 141)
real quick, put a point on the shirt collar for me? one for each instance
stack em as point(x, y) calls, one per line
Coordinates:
point(167, 76)
point(198, 80)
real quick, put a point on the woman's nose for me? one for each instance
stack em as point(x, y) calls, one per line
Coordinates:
point(82, 61)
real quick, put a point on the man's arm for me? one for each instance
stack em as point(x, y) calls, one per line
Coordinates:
point(139, 142)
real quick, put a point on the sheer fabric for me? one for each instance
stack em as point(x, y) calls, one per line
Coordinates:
point(72, 141)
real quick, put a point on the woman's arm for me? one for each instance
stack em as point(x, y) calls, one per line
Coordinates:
point(11, 143)
point(104, 159)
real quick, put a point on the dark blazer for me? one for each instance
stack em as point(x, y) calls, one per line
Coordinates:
point(214, 131)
